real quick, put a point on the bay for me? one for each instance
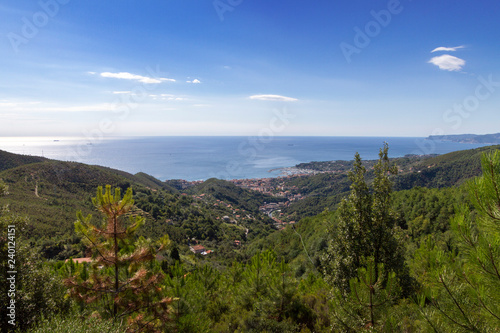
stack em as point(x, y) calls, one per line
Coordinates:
point(229, 157)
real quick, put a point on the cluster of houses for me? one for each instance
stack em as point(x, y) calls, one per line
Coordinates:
point(184, 184)
point(266, 186)
point(268, 208)
point(281, 224)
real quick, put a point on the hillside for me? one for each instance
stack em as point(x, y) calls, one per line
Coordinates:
point(468, 138)
point(424, 199)
point(420, 212)
point(227, 191)
point(10, 160)
point(50, 193)
point(216, 211)
point(444, 170)
point(243, 249)
point(326, 189)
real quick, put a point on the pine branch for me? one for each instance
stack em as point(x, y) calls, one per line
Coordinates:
point(441, 280)
point(492, 257)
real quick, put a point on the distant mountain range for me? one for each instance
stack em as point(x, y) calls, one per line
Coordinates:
point(468, 138)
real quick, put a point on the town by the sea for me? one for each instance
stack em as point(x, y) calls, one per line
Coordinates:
point(201, 158)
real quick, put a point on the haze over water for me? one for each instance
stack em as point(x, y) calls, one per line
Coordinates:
point(200, 158)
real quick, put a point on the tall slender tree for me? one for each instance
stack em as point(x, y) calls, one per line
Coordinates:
point(365, 260)
point(125, 281)
point(365, 227)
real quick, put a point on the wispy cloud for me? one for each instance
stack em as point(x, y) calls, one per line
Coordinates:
point(447, 49)
point(6, 105)
point(82, 108)
point(121, 92)
point(448, 63)
point(42, 107)
point(274, 98)
point(130, 76)
point(168, 97)
point(194, 81)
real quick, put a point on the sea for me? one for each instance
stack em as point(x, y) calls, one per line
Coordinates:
point(225, 157)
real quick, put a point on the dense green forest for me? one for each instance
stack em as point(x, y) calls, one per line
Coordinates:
point(391, 245)
point(327, 189)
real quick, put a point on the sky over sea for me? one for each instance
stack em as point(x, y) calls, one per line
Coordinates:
point(249, 67)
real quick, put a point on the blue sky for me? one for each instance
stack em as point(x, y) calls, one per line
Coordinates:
point(241, 67)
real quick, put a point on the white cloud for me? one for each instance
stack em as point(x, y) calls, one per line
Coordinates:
point(275, 98)
point(129, 76)
point(41, 107)
point(194, 81)
point(79, 108)
point(448, 63)
point(169, 97)
point(16, 106)
point(8, 105)
point(84, 108)
point(447, 49)
point(121, 92)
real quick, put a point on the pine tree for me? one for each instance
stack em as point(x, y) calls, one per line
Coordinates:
point(463, 290)
point(124, 280)
point(365, 227)
point(368, 302)
point(256, 278)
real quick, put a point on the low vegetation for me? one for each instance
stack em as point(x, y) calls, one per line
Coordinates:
point(376, 251)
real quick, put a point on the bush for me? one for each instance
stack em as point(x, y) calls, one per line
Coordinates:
point(75, 324)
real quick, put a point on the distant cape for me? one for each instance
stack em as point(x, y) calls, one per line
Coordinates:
point(468, 138)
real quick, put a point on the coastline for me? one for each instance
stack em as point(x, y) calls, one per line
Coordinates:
point(295, 171)
point(202, 158)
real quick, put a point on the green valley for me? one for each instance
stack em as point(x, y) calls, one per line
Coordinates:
point(393, 245)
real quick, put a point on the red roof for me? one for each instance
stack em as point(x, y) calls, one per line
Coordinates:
point(197, 248)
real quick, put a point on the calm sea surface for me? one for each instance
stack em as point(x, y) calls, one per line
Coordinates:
point(200, 158)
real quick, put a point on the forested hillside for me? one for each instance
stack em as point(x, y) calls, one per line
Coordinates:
point(394, 248)
point(324, 191)
point(9, 160)
point(50, 193)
